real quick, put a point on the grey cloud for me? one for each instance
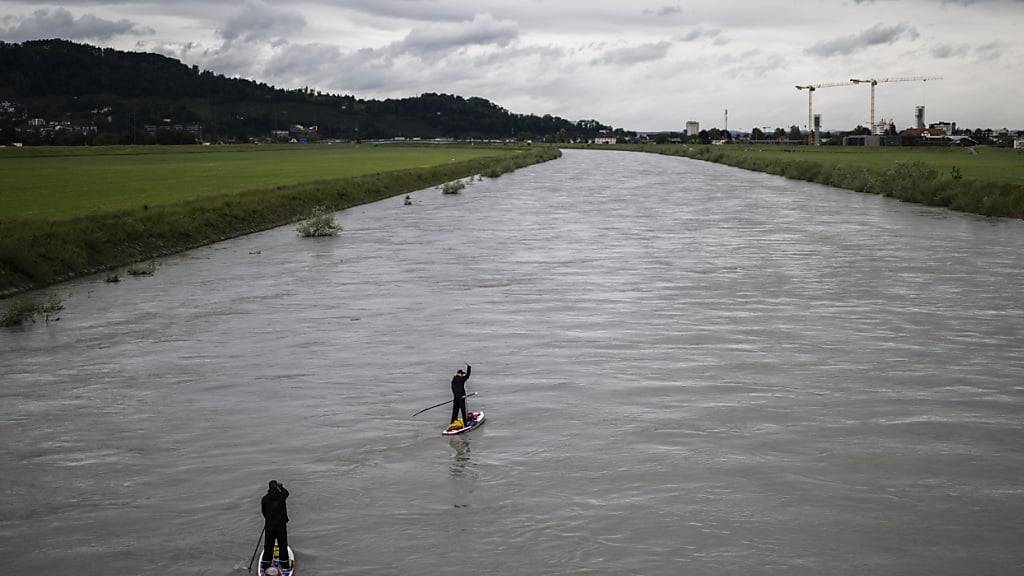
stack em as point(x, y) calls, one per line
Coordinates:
point(634, 54)
point(752, 63)
point(483, 29)
point(990, 51)
point(943, 51)
point(667, 10)
point(698, 33)
point(874, 36)
point(257, 20)
point(61, 23)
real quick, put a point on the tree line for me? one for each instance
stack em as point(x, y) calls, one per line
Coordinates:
point(86, 93)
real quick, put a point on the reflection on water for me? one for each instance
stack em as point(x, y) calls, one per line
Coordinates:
point(460, 454)
point(464, 474)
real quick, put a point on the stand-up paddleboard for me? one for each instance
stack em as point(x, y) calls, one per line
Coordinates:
point(475, 420)
point(278, 570)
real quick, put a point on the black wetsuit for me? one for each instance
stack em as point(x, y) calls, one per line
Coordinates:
point(275, 513)
point(459, 391)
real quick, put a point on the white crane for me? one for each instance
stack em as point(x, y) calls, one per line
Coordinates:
point(876, 81)
point(810, 114)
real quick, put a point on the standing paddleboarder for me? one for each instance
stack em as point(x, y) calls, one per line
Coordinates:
point(459, 391)
point(275, 514)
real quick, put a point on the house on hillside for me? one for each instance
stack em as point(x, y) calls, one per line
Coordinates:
point(604, 140)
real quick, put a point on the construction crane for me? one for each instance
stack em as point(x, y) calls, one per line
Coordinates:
point(810, 114)
point(876, 81)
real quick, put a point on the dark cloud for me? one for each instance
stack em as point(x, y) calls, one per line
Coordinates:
point(874, 36)
point(61, 23)
point(628, 55)
point(482, 30)
point(259, 21)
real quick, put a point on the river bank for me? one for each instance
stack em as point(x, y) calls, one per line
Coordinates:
point(36, 252)
point(992, 188)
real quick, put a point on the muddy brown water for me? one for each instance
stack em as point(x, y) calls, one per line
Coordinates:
point(686, 368)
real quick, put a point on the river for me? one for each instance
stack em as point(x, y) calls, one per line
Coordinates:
point(686, 369)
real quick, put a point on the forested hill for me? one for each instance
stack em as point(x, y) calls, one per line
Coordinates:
point(62, 89)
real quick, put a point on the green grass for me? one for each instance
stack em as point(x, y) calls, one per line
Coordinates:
point(54, 241)
point(990, 182)
point(993, 164)
point(60, 183)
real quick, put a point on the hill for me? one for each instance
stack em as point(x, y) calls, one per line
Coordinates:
point(62, 92)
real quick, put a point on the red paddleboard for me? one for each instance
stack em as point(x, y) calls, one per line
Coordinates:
point(475, 420)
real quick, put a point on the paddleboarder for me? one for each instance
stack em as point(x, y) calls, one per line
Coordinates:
point(275, 514)
point(459, 391)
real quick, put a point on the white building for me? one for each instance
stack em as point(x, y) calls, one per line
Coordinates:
point(604, 140)
point(692, 128)
point(1018, 144)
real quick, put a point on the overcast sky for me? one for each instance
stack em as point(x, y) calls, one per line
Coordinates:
point(635, 64)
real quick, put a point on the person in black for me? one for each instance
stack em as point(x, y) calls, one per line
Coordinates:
point(459, 391)
point(275, 514)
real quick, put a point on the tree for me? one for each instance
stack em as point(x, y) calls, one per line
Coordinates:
point(756, 134)
point(795, 134)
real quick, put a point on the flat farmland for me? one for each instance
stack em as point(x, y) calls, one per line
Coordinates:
point(993, 164)
point(61, 183)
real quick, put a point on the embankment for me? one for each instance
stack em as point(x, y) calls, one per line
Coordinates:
point(911, 180)
point(37, 253)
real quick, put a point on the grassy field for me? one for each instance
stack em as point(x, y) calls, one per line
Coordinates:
point(995, 164)
point(68, 212)
point(59, 183)
point(988, 182)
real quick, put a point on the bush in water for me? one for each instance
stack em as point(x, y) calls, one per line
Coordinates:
point(453, 187)
point(320, 223)
point(138, 269)
point(22, 310)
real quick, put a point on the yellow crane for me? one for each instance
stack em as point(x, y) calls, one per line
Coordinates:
point(810, 113)
point(876, 81)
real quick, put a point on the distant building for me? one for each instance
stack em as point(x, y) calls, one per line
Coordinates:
point(692, 128)
point(949, 127)
point(961, 141)
point(37, 122)
point(1018, 144)
point(604, 140)
point(919, 117)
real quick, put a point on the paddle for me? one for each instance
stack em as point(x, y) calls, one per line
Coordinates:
point(257, 548)
point(441, 404)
